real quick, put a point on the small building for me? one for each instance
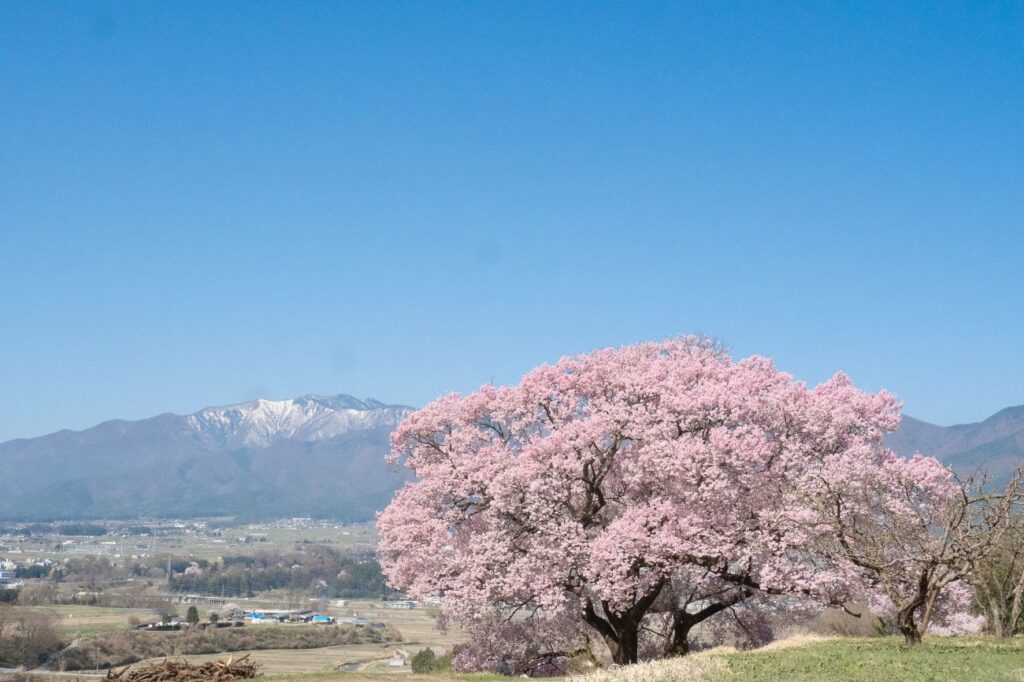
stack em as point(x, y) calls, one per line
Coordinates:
point(323, 620)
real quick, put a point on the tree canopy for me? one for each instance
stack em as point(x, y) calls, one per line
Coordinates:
point(662, 478)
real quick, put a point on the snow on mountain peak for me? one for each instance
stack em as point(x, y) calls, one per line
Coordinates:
point(259, 423)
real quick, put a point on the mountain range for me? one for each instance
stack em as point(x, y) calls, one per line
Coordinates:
point(320, 456)
point(317, 456)
point(995, 445)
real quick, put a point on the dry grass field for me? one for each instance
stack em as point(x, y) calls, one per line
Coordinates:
point(305, 661)
point(72, 619)
point(415, 625)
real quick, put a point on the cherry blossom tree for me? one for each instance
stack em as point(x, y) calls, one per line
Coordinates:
point(656, 478)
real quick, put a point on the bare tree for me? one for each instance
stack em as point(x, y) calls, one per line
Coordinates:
point(910, 548)
point(999, 581)
point(6, 616)
point(34, 636)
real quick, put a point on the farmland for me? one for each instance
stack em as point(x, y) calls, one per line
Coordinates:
point(95, 589)
point(294, 653)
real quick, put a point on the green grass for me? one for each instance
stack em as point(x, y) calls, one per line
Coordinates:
point(884, 659)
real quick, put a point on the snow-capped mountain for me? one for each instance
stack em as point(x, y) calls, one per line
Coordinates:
point(309, 456)
point(260, 423)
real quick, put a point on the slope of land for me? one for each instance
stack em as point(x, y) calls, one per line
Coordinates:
point(848, 659)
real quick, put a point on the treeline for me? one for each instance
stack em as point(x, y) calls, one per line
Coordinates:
point(36, 529)
point(322, 571)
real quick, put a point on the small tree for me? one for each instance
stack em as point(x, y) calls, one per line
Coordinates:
point(214, 616)
point(423, 661)
point(34, 636)
point(999, 581)
point(6, 616)
point(192, 615)
point(913, 530)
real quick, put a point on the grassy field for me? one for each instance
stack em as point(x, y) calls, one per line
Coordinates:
point(72, 619)
point(847, 660)
point(871, 660)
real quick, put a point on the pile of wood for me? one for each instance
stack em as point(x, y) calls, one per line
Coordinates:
point(182, 671)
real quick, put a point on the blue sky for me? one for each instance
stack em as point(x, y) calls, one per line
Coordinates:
point(204, 203)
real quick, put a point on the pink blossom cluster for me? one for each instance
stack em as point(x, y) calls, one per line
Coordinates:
point(599, 478)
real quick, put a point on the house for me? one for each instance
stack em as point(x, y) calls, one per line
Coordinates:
point(6, 577)
point(400, 604)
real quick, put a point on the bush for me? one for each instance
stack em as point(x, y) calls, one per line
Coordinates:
point(424, 661)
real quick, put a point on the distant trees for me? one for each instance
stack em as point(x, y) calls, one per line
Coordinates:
point(192, 616)
point(345, 574)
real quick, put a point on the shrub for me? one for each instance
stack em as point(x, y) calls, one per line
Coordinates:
point(424, 661)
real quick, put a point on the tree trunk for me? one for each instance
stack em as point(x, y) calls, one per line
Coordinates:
point(680, 643)
point(683, 621)
point(911, 637)
point(621, 631)
point(621, 634)
point(908, 628)
point(629, 637)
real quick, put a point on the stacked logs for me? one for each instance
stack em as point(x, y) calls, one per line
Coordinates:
point(182, 671)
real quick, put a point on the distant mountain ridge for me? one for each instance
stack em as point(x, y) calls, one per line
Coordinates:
point(310, 456)
point(315, 455)
point(995, 444)
point(260, 423)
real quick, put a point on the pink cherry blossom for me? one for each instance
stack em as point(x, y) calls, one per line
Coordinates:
point(604, 482)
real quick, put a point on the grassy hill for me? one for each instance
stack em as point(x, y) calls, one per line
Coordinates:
point(801, 660)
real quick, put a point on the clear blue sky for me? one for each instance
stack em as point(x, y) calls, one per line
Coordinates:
point(203, 203)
